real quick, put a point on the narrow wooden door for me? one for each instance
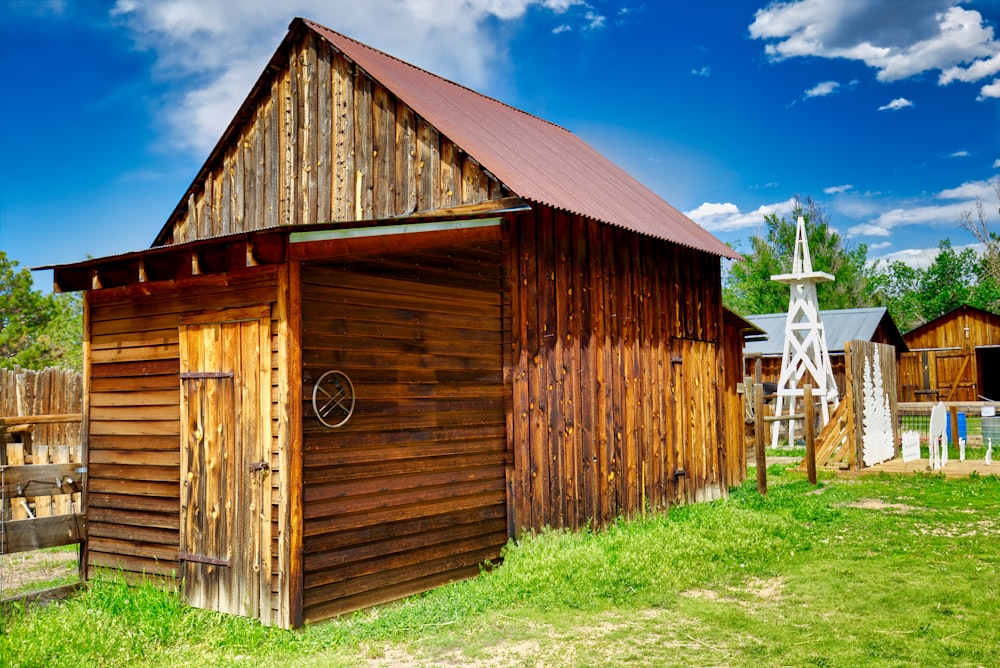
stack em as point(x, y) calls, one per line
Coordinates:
point(696, 454)
point(225, 536)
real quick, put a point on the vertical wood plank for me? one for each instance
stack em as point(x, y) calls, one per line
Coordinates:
point(383, 151)
point(363, 147)
point(343, 184)
point(427, 164)
point(325, 130)
point(406, 153)
point(307, 106)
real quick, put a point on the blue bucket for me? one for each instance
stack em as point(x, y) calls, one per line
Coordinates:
point(961, 427)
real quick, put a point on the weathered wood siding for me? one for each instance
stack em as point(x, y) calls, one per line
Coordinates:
point(731, 408)
point(615, 369)
point(410, 493)
point(133, 418)
point(320, 141)
point(942, 363)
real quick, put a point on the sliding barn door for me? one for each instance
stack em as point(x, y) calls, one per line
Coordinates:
point(225, 537)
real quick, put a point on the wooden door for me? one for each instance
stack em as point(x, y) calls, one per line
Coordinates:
point(696, 444)
point(225, 537)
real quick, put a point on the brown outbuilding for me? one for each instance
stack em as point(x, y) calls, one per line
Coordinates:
point(392, 324)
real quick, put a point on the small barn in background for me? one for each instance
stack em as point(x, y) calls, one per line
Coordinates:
point(504, 332)
point(873, 325)
point(955, 357)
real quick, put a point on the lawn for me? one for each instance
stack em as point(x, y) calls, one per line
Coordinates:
point(876, 571)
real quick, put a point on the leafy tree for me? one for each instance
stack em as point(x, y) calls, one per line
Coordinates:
point(37, 330)
point(915, 296)
point(895, 285)
point(748, 288)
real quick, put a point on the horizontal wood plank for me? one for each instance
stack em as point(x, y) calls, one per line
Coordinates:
point(42, 532)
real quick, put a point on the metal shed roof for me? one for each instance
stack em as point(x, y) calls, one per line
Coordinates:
point(536, 159)
point(841, 326)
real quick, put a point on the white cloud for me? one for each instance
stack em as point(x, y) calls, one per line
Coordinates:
point(595, 20)
point(713, 209)
point(216, 49)
point(898, 103)
point(565, 27)
point(727, 217)
point(882, 226)
point(915, 257)
point(836, 190)
point(920, 258)
point(989, 90)
point(969, 190)
point(996, 164)
point(823, 89)
point(898, 43)
point(702, 72)
point(959, 154)
point(880, 245)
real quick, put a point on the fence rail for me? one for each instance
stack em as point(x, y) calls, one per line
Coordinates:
point(41, 471)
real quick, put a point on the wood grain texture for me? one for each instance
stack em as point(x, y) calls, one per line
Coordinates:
point(323, 142)
point(618, 374)
point(134, 417)
point(412, 489)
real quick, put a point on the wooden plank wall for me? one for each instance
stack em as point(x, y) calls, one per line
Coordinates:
point(51, 391)
point(731, 409)
point(134, 414)
point(323, 142)
point(948, 331)
point(410, 493)
point(939, 375)
point(598, 317)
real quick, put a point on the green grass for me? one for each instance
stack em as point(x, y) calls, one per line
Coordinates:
point(880, 571)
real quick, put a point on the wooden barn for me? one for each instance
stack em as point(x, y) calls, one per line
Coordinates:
point(955, 357)
point(392, 324)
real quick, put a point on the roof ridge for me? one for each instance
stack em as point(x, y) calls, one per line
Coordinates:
point(319, 28)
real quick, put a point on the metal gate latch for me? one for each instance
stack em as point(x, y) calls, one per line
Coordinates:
point(260, 466)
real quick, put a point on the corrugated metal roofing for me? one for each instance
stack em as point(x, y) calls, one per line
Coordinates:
point(538, 160)
point(841, 325)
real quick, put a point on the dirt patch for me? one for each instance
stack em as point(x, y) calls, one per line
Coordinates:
point(27, 571)
point(879, 504)
point(969, 530)
point(759, 589)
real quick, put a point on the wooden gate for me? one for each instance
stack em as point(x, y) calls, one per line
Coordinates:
point(225, 536)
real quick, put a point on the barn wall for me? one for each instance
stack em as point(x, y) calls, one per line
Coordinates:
point(320, 141)
point(616, 346)
point(942, 364)
point(948, 331)
point(133, 438)
point(410, 492)
point(731, 408)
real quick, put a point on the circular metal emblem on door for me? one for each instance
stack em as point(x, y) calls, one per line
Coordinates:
point(333, 399)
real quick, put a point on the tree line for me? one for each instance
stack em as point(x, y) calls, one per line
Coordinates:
point(912, 295)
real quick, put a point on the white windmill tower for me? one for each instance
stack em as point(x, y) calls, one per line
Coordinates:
point(805, 357)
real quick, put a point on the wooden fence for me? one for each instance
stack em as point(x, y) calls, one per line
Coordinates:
point(41, 475)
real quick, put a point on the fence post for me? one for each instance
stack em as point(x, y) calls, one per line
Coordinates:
point(810, 429)
point(953, 414)
point(758, 437)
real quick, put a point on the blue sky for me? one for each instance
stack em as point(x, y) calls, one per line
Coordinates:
point(886, 112)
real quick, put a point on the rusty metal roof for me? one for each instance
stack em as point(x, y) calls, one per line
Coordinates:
point(536, 159)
